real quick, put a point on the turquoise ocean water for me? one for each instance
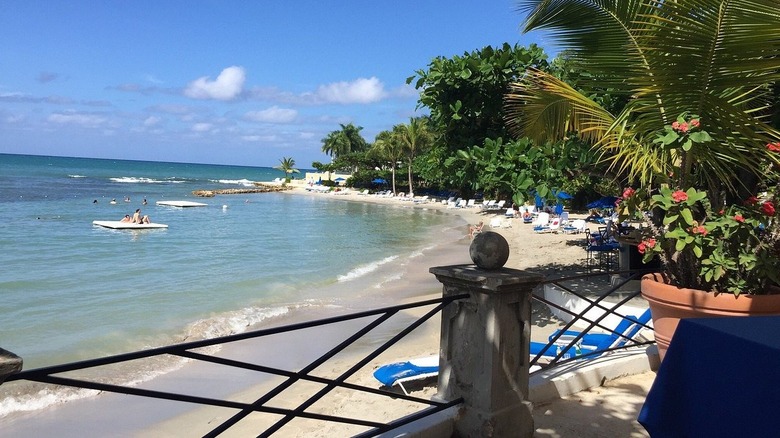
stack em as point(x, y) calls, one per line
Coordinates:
point(73, 291)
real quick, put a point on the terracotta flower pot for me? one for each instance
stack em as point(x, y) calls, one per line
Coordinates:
point(669, 303)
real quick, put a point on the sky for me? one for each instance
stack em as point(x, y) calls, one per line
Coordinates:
point(224, 82)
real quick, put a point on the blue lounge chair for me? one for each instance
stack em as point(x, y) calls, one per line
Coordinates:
point(398, 373)
point(626, 330)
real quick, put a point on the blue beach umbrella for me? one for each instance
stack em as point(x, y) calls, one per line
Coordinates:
point(563, 195)
point(339, 179)
point(605, 202)
point(379, 181)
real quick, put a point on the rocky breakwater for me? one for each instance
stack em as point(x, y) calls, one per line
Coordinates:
point(259, 188)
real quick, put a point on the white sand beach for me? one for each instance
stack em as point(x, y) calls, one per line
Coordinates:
point(555, 254)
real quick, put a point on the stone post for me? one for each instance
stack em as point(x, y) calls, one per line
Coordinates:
point(484, 351)
point(9, 364)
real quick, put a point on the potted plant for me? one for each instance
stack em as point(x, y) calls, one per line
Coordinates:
point(718, 257)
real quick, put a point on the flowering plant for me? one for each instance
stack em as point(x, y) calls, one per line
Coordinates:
point(721, 248)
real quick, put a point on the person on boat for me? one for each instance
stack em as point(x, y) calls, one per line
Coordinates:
point(476, 229)
point(144, 202)
point(127, 218)
point(138, 219)
point(113, 201)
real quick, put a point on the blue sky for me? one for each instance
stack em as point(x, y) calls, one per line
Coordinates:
point(223, 82)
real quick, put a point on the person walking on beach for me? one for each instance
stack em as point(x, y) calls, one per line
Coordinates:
point(475, 229)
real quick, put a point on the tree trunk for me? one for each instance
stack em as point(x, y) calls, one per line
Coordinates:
point(411, 189)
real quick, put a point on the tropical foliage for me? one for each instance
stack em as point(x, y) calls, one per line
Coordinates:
point(287, 165)
point(712, 58)
point(344, 141)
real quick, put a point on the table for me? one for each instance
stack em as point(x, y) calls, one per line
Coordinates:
point(720, 378)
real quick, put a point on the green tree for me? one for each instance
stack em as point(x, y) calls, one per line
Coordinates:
point(344, 141)
point(465, 94)
point(287, 165)
point(390, 148)
point(713, 58)
point(416, 139)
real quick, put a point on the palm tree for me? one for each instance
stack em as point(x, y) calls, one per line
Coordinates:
point(390, 148)
point(344, 141)
point(712, 58)
point(416, 138)
point(287, 165)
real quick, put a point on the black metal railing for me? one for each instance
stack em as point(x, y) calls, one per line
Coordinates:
point(52, 374)
point(570, 350)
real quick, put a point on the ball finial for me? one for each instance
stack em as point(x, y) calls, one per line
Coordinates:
point(489, 250)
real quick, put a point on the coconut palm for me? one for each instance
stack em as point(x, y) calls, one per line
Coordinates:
point(416, 138)
point(287, 165)
point(344, 141)
point(390, 148)
point(712, 58)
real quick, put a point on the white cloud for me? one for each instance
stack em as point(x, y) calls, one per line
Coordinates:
point(152, 120)
point(227, 86)
point(358, 91)
point(202, 127)
point(87, 120)
point(273, 114)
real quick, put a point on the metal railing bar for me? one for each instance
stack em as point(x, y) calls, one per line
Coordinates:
point(564, 361)
point(238, 416)
point(307, 377)
point(65, 381)
point(176, 348)
point(580, 335)
point(408, 419)
point(313, 399)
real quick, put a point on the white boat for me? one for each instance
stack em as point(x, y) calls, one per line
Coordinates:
point(119, 225)
point(181, 204)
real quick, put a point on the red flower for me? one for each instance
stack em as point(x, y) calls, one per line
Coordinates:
point(739, 218)
point(629, 192)
point(751, 201)
point(695, 123)
point(683, 127)
point(768, 208)
point(699, 230)
point(721, 212)
point(675, 125)
point(774, 147)
point(645, 245)
point(679, 196)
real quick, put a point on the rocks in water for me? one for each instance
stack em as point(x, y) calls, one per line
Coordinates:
point(259, 189)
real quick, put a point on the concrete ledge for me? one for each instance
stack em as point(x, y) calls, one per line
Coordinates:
point(578, 376)
point(438, 425)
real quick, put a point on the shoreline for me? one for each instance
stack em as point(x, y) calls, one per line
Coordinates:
point(527, 250)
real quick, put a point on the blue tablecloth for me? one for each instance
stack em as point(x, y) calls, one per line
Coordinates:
point(720, 378)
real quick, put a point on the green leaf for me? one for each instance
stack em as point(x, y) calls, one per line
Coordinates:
point(700, 137)
point(687, 145)
point(671, 218)
point(697, 251)
point(680, 245)
point(687, 215)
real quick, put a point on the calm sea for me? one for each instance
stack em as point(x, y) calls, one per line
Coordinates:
point(73, 291)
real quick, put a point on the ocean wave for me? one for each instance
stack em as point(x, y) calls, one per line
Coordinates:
point(76, 176)
point(136, 180)
point(365, 269)
point(240, 182)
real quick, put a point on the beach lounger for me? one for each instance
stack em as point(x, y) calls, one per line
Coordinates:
point(627, 329)
point(575, 227)
point(399, 373)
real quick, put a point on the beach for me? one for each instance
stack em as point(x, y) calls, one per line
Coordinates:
point(550, 254)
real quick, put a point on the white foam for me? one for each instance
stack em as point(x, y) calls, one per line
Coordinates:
point(240, 182)
point(365, 269)
point(76, 176)
point(134, 180)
